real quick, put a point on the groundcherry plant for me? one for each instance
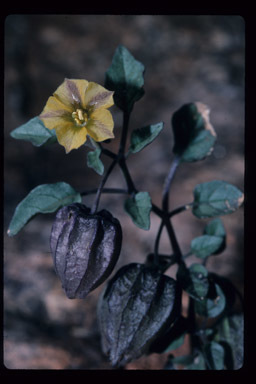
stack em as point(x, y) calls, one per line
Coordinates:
point(139, 308)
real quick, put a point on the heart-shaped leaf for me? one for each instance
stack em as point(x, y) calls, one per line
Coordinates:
point(205, 245)
point(35, 132)
point(125, 78)
point(215, 198)
point(138, 208)
point(45, 198)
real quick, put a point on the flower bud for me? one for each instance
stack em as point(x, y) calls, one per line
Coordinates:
point(137, 307)
point(85, 248)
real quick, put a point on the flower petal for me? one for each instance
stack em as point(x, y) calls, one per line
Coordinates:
point(97, 96)
point(54, 113)
point(55, 107)
point(70, 136)
point(100, 125)
point(71, 92)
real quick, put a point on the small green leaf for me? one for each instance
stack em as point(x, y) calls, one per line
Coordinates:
point(213, 305)
point(125, 78)
point(194, 136)
point(94, 161)
point(139, 208)
point(216, 198)
point(212, 242)
point(45, 198)
point(141, 137)
point(194, 280)
point(215, 355)
point(35, 132)
point(205, 245)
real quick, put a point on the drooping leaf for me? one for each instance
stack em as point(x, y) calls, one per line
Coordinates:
point(125, 78)
point(216, 198)
point(194, 136)
point(94, 161)
point(215, 355)
point(139, 208)
point(141, 137)
point(212, 305)
point(35, 132)
point(45, 198)
point(194, 280)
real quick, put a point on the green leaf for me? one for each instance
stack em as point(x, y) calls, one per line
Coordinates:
point(139, 208)
point(200, 147)
point(194, 136)
point(205, 245)
point(45, 198)
point(94, 161)
point(141, 137)
point(216, 198)
point(125, 78)
point(212, 242)
point(213, 305)
point(194, 280)
point(35, 132)
point(215, 355)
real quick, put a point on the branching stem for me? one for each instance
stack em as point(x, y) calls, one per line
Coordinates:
point(103, 181)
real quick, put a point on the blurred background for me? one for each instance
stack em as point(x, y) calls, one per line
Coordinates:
point(187, 58)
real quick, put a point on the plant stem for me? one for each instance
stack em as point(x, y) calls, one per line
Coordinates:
point(127, 176)
point(99, 191)
point(180, 209)
point(126, 118)
point(174, 241)
point(116, 159)
point(165, 216)
point(168, 181)
point(157, 242)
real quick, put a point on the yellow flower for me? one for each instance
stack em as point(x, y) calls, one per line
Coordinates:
point(79, 108)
